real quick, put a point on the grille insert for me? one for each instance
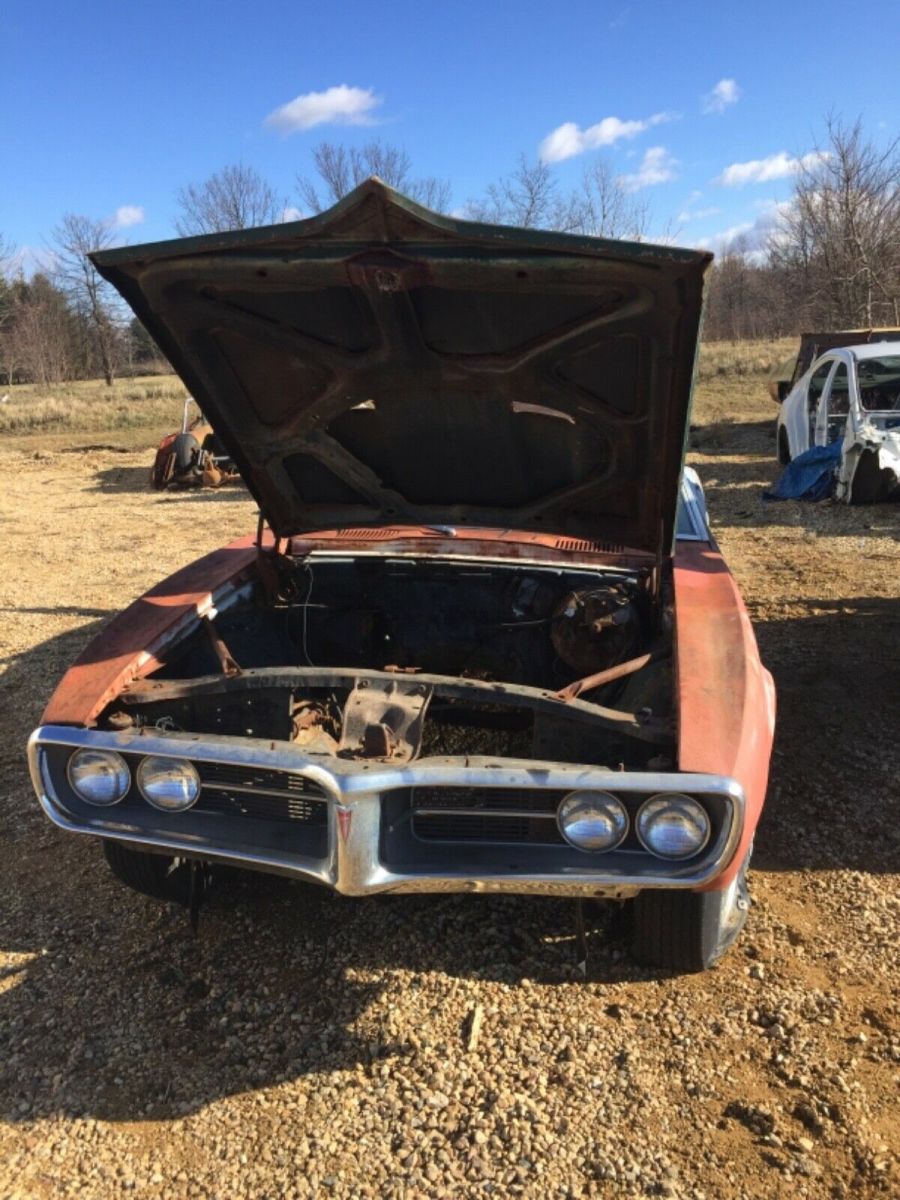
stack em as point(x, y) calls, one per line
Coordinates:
point(500, 815)
point(260, 793)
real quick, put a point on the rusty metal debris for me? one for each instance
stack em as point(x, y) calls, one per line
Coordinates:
point(316, 726)
point(652, 729)
point(383, 719)
point(226, 660)
point(590, 682)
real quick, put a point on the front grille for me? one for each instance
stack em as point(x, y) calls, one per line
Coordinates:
point(495, 815)
point(263, 794)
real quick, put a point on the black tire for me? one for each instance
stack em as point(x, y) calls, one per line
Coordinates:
point(688, 931)
point(784, 449)
point(186, 452)
point(161, 876)
point(871, 482)
point(212, 446)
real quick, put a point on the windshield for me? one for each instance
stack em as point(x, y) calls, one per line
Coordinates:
point(879, 384)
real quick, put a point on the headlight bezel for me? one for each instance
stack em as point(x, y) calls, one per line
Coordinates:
point(163, 762)
point(680, 802)
point(600, 799)
point(100, 753)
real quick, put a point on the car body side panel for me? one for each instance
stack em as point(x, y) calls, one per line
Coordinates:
point(794, 419)
point(725, 697)
point(126, 649)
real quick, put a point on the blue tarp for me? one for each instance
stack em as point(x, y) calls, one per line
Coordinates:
point(810, 476)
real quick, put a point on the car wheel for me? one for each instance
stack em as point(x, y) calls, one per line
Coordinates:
point(871, 482)
point(688, 931)
point(161, 876)
point(784, 449)
point(185, 451)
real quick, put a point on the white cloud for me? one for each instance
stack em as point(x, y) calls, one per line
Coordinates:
point(764, 170)
point(291, 214)
point(657, 166)
point(724, 94)
point(722, 240)
point(339, 105)
point(570, 139)
point(751, 235)
point(698, 214)
point(127, 215)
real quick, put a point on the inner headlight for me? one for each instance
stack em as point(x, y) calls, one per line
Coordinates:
point(170, 784)
point(99, 777)
point(592, 820)
point(672, 826)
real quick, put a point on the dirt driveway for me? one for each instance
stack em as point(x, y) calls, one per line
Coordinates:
point(309, 1046)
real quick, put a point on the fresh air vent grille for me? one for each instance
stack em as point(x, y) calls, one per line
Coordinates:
point(371, 535)
point(583, 546)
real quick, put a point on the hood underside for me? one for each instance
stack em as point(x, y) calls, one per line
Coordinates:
point(383, 365)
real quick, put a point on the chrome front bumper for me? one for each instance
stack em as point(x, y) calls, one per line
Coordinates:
point(360, 847)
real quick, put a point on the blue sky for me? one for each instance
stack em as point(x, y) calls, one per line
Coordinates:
point(109, 108)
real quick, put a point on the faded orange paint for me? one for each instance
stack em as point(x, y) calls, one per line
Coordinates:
point(126, 649)
point(726, 698)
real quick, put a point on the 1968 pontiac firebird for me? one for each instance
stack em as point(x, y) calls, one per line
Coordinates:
point(476, 643)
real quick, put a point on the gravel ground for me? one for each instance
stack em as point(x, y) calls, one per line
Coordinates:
point(305, 1045)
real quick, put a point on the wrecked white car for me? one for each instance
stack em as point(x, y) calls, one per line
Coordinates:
point(851, 394)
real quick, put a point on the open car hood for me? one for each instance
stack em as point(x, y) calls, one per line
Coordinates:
point(380, 364)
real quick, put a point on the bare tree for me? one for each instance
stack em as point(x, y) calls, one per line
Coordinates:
point(607, 208)
point(340, 169)
point(88, 293)
point(530, 197)
point(837, 244)
point(236, 197)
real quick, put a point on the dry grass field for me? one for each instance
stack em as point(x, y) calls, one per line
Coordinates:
point(307, 1046)
point(136, 407)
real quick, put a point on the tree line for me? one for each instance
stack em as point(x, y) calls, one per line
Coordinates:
point(830, 258)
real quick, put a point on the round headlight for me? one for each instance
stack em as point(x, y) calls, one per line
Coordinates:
point(100, 777)
point(170, 784)
point(592, 820)
point(672, 826)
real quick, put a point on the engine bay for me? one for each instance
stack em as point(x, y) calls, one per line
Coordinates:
point(397, 658)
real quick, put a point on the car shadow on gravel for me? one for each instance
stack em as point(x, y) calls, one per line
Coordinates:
point(735, 490)
point(137, 480)
point(114, 1009)
point(833, 802)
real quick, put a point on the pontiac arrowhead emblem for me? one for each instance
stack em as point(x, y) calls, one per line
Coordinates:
point(344, 816)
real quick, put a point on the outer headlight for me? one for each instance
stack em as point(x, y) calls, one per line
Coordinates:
point(99, 777)
point(672, 826)
point(169, 784)
point(592, 820)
